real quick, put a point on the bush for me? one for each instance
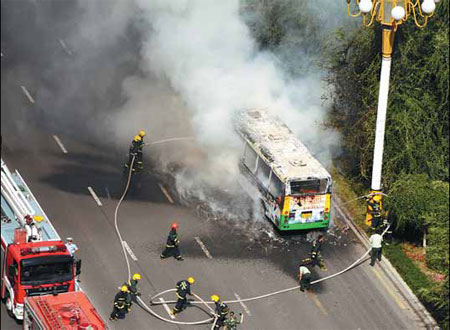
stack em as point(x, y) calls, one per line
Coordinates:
point(433, 296)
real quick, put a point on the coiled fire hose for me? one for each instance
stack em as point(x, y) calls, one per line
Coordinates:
point(200, 300)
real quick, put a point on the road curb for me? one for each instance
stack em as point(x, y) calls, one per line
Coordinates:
point(389, 270)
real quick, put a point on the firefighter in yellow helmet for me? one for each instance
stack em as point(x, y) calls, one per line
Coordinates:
point(140, 158)
point(132, 286)
point(121, 304)
point(133, 152)
point(183, 288)
point(374, 208)
point(221, 311)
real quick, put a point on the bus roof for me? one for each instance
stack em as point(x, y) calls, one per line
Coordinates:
point(273, 141)
point(10, 219)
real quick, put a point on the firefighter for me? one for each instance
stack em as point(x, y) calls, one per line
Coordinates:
point(133, 152)
point(139, 159)
point(183, 288)
point(121, 304)
point(304, 277)
point(31, 229)
point(374, 207)
point(315, 255)
point(231, 322)
point(221, 311)
point(172, 244)
point(132, 286)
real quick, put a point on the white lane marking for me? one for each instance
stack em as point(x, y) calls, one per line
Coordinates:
point(166, 307)
point(64, 46)
point(165, 193)
point(243, 305)
point(94, 195)
point(127, 247)
point(203, 247)
point(64, 150)
point(2, 53)
point(27, 94)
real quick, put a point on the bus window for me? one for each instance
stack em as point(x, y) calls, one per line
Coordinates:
point(263, 172)
point(313, 186)
point(250, 158)
point(276, 188)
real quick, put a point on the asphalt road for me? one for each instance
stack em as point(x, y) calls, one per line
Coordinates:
point(247, 259)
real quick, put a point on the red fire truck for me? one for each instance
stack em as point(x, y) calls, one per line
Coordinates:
point(28, 269)
point(68, 311)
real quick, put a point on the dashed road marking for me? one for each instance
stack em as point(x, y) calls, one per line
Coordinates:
point(94, 195)
point(391, 292)
point(27, 94)
point(64, 46)
point(166, 307)
point(2, 53)
point(64, 150)
point(203, 247)
point(243, 305)
point(166, 193)
point(107, 193)
point(318, 303)
point(127, 247)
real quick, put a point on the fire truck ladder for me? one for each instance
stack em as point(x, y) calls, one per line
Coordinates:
point(50, 314)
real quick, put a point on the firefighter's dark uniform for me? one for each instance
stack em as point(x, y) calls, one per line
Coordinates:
point(222, 310)
point(231, 322)
point(183, 288)
point(132, 287)
point(172, 246)
point(316, 256)
point(374, 208)
point(139, 158)
point(133, 152)
point(122, 302)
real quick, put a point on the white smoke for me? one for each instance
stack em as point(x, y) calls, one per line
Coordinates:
point(198, 64)
point(206, 52)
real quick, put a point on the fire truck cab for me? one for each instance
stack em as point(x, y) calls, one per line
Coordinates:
point(68, 311)
point(29, 268)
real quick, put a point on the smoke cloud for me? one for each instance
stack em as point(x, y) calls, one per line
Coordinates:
point(183, 68)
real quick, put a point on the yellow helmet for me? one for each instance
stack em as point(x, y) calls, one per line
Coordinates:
point(136, 276)
point(377, 198)
point(137, 138)
point(215, 298)
point(124, 288)
point(141, 133)
point(191, 280)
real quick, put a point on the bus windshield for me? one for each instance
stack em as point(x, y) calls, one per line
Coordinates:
point(45, 270)
point(312, 186)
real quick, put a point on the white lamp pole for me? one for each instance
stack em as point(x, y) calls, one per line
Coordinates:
point(390, 14)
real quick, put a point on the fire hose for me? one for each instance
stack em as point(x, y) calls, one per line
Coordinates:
point(200, 300)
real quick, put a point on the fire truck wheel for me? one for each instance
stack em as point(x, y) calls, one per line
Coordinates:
point(9, 306)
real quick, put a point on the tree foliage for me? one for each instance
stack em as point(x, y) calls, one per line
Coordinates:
point(416, 155)
point(416, 138)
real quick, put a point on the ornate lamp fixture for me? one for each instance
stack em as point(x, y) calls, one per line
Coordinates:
point(390, 14)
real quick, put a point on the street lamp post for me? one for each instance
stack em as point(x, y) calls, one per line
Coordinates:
point(390, 14)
